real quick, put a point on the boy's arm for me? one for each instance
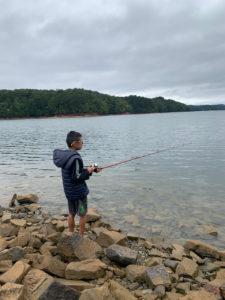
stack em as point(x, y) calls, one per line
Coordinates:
point(79, 174)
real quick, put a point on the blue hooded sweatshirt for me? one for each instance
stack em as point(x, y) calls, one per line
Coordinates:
point(73, 173)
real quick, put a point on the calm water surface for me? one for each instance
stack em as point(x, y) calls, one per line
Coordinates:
point(172, 193)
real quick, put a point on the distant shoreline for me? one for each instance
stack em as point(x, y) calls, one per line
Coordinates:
point(67, 116)
point(98, 115)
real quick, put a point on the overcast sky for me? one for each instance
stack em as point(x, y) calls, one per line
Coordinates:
point(174, 49)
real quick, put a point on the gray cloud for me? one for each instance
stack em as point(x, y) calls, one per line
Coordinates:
point(145, 47)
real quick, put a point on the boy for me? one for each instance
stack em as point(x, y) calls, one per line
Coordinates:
point(74, 176)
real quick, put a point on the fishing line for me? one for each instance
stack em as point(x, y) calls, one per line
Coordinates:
point(139, 157)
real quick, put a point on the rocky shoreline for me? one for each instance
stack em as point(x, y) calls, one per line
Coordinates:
point(40, 260)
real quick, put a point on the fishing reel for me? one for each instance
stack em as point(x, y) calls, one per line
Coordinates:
point(95, 167)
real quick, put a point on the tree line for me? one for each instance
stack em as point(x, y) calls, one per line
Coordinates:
point(22, 103)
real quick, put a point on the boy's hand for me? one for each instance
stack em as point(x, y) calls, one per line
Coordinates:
point(90, 169)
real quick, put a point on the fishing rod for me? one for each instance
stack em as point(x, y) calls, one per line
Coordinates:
point(137, 157)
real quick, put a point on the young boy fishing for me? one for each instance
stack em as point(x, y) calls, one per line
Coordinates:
point(74, 176)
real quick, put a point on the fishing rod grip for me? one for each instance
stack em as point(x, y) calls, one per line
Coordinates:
point(96, 168)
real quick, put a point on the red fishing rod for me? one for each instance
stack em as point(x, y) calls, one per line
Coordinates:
point(138, 157)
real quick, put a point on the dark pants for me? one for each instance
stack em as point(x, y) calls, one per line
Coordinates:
point(78, 207)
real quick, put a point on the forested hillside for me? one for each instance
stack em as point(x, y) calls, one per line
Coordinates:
point(42, 103)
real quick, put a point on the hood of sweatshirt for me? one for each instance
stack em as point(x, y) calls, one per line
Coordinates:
point(63, 158)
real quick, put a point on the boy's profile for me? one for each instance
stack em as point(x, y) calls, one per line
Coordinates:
point(74, 176)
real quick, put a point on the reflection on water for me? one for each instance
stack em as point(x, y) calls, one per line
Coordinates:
point(172, 193)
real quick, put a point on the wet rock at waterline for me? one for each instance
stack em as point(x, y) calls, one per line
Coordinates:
point(27, 199)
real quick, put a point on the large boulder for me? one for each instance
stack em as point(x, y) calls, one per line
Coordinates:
point(12, 291)
point(14, 254)
point(16, 273)
point(87, 249)
point(86, 269)
point(187, 267)
point(65, 245)
point(202, 249)
point(156, 276)
point(27, 199)
point(58, 291)
point(107, 237)
point(122, 255)
point(41, 286)
point(52, 265)
point(36, 282)
point(75, 246)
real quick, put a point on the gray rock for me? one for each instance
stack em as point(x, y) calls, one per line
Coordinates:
point(157, 275)
point(58, 291)
point(14, 254)
point(53, 266)
point(66, 244)
point(121, 255)
point(172, 264)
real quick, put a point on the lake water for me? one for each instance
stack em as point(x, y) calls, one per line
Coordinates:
point(172, 193)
